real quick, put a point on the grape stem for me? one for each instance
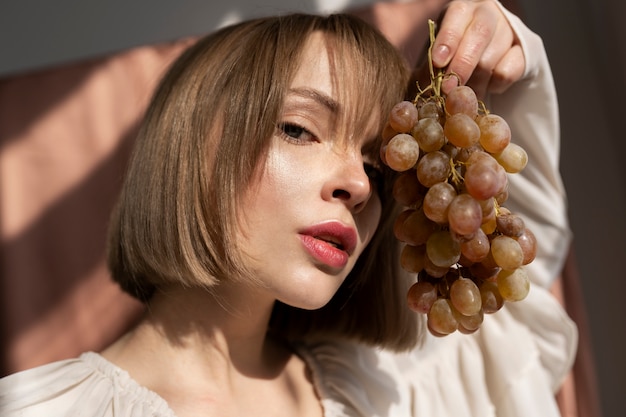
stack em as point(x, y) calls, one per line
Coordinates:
point(435, 81)
point(436, 76)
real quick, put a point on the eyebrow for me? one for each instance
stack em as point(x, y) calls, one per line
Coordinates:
point(317, 96)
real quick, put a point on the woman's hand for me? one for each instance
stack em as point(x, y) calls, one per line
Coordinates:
point(476, 42)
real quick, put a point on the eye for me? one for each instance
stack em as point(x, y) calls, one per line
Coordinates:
point(295, 133)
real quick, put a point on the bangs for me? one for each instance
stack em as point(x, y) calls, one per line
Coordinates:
point(363, 79)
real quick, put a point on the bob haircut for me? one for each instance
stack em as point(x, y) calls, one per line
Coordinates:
point(204, 135)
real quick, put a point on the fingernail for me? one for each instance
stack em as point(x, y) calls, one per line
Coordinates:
point(440, 55)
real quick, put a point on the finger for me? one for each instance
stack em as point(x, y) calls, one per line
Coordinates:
point(450, 32)
point(477, 37)
point(499, 46)
point(508, 71)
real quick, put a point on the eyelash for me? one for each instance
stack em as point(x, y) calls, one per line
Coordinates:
point(373, 170)
point(285, 128)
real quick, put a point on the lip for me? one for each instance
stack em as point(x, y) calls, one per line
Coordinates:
point(331, 243)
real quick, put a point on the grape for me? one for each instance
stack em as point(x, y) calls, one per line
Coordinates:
point(437, 200)
point(441, 318)
point(477, 248)
point(513, 285)
point(403, 116)
point(507, 252)
point(442, 249)
point(399, 229)
point(513, 158)
point(484, 180)
point(482, 270)
point(433, 270)
point(465, 296)
point(461, 130)
point(412, 258)
point(489, 223)
point(462, 99)
point(469, 324)
point(433, 167)
point(407, 189)
point(417, 228)
point(491, 299)
point(465, 247)
point(495, 134)
point(528, 243)
point(464, 215)
point(431, 110)
point(429, 134)
point(421, 296)
point(510, 224)
point(402, 152)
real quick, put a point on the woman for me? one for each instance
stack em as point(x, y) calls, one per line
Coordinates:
point(255, 223)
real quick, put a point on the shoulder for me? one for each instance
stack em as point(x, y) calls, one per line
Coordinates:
point(87, 386)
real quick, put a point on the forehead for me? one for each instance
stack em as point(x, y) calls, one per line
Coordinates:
point(314, 68)
point(329, 74)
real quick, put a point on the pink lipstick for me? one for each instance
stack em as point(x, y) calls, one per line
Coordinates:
point(331, 243)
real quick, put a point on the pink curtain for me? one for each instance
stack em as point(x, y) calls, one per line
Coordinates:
point(64, 140)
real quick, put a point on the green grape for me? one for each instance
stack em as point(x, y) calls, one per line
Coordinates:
point(513, 158)
point(442, 249)
point(465, 296)
point(507, 252)
point(513, 285)
point(470, 324)
point(441, 319)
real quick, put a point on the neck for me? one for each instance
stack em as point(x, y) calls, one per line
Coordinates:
point(213, 336)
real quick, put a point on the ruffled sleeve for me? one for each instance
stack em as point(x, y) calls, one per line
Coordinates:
point(88, 386)
point(511, 367)
point(530, 107)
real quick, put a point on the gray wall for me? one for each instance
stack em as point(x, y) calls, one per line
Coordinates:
point(586, 43)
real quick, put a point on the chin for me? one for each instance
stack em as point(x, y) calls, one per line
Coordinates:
point(312, 299)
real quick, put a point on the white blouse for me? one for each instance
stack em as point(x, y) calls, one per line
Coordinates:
point(511, 367)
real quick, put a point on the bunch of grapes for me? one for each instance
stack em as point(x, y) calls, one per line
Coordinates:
point(467, 249)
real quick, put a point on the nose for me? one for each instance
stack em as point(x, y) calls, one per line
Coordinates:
point(349, 183)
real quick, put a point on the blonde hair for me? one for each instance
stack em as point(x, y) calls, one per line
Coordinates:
point(207, 130)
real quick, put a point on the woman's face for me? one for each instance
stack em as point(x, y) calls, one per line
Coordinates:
point(311, 211)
